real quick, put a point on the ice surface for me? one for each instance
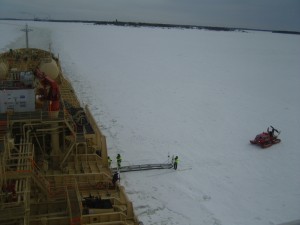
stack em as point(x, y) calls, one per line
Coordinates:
point(201, 95)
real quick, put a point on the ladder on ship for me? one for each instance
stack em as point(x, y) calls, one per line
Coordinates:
point(74, 205)
point(144, 167)
point(79, 140)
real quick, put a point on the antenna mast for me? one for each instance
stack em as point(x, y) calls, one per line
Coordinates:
point(26, 31)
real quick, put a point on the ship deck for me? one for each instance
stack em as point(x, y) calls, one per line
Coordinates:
point(54, 167)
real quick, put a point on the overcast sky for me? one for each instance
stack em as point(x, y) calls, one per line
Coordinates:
point(259, 14)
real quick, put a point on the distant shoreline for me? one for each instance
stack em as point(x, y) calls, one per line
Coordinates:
point(160, 25)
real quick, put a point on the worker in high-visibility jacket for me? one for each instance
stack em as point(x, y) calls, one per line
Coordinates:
point(119, 160)
point(176, 160)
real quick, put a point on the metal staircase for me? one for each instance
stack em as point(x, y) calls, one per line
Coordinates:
point(40, 179)
point(75, 210)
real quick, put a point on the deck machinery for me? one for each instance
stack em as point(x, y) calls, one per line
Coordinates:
point(53, 156)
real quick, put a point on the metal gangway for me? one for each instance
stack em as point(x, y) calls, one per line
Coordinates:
point(143, 167)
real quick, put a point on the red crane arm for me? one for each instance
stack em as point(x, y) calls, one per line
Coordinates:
point(53, 95)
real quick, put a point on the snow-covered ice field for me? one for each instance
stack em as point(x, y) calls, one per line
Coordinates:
point(201, 95)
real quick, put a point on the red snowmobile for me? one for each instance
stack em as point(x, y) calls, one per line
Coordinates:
point(267, 139)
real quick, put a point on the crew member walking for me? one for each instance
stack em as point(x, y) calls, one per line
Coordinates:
point(176, 160)
point(116, 177)
point(109, 161)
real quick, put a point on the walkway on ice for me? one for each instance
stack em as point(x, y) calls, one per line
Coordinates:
point(144, 167)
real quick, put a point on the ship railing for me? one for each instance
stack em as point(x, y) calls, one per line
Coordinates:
point(74, 203)
point(116, 218)
point(14, 213)
point(38, 115)
point(17, 172)
point(16, 195)
point(99, 139)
